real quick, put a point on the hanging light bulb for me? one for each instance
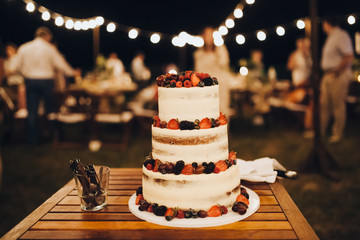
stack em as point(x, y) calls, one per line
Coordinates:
point(223, 30)
point(178, 42)
point(261, 35)
point(92, 24)
point(240, 39)
point(280, 31)
point(198, 41)
point(111, 27)
point(77, 25)
point(85, 25)
point(216, 34)
point(69, 24)
point(351, 20)
point(155, 38)
point(30, 7)
point(250, 2)
point(45, 16)
point(244, 71)
point(99, 20)
point(59, 21)
point(238, 13)
point(229, 23)
point(300, 24)
point(133, 33)
point(218, 41)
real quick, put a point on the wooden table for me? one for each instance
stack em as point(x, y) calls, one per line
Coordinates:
point(60, 217)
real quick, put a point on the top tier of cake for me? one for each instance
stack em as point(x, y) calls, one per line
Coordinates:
point(189, 103)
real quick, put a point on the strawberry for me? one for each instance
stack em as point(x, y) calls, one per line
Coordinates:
point(138, 199)
point(181, 78)
point(220, 166)
point(214, 211)
point(223, 209)
point(242, 198)
point(150, 208)
point(156, 165)
point(180, 214)
point(169, 214)
point(149, 167)
point(195, 80)
point(222, 119)
point(232, 156)
point(156, 121)
point(187, 83)
point(179, 84)
point(200, 169)
point(205, 123)
point(173, 124)
point(187, 170)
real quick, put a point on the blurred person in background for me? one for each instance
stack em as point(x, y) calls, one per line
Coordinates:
point(336, 62)
point(140, 72)
point(15, 80)
point(38, 61)
point(215, 61)
point(114, 64)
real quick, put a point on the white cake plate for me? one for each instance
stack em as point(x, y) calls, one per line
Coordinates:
point(230, 217)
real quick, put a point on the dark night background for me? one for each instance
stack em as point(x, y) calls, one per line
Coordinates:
point(170, 17)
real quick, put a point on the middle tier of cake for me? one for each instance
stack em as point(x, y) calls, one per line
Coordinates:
point(203, 145)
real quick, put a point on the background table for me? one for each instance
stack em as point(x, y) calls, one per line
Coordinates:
point(60, 217)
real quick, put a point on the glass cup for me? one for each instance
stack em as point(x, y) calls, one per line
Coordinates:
point(93, 188)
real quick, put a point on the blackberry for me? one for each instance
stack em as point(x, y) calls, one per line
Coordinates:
point(186, 125)
point(201, 84)
point(172, 85)
point(151, 161)
point(162, 168)
point(213, 122)
point(246, 195)
point(228, 163)
point(163, 124)
point(169, 218)
point(209, 168)
point(155, 206)
point(216, 81)
point(208, 81)
point(144, 206)
point(160, 211)
point(169, 167)
point(188, 214)
point(179, 167)
point(139, 191)
point(194, 164)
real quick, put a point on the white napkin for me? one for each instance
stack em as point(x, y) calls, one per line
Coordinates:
point(259, 170)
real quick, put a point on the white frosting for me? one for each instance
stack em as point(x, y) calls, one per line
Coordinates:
point(188, 103)
point(197, 191)
point(214, 148)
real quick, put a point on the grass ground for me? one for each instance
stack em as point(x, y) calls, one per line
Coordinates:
point(32, 174)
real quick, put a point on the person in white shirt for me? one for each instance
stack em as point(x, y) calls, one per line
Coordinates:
point(336, 62)
point(114, 64)
point(140, 72)
point(37, 61)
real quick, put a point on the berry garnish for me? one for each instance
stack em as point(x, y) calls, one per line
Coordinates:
point(208, 81)
point(179, 167)
point(232, 155)
point(214, 211)
point(194, 80)
point(179, 84)
point(202, 214)
point(180, 214)
point(156, 165)
point(163, 124)
point(139, 190)
point(205, 123)
point(187, 83)
point(150, 208)
point(200, 169)
point(220, 166)
point(215, 80)
point(173, 124)
point(169, 214)
point(144, 205)
point(242, 198)
point(223, 209)
point(149, 167)
point(187, 170)
point(201, 84)
point(169, 167)
point(222, 119)
point(186, 125)
point(156, 121)
point(160, 211)
point(138, 199)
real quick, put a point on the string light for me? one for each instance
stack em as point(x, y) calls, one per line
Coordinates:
point(229, 23)
point(218, 41)
point(351, 20)
point(223, 30)
point(59, 21)
point(280, 31)
point(240, 39)
point(133, 33)
point(45, 16)
point(92, 24)
point(261, 35)
point(111, 27)
point(250, 2)
point(77, 25)
point(85, 25)
point(155, 38)
point(178, 42)
point(358, 78)
point(30, 7)
point(99, 20)
point(244, 71)
point(69, 24)
point(300, 24)
point(238, 13)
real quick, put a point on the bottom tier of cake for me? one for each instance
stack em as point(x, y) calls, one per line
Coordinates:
point(197, 191)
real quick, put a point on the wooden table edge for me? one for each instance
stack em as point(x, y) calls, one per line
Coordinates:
point(297, 220)
point(39, 212)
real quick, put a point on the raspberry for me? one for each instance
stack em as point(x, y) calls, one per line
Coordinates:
point(200, 169)
point(195, 80)
point(149, 167)
point(173, 124)
point(187, 83)
point(180, 214)
point(179, 84)
point(214, 211)
point(156, 165)
point(186, 125)
point(150, 208)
